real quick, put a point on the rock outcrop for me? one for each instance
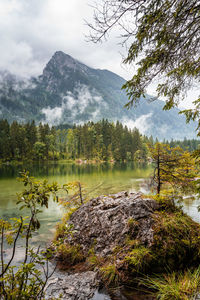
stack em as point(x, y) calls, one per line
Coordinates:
point(105, 221)
point(124, 235)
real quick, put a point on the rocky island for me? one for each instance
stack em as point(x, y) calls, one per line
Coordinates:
point(115, 239)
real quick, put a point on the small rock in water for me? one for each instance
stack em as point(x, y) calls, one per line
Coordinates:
point(101, 295)
point(79, 286)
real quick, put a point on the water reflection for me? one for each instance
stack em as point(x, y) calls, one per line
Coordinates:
point(190, 206)
point(63, 169)
point(103, 178)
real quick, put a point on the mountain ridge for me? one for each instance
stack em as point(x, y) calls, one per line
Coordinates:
point(68, 91)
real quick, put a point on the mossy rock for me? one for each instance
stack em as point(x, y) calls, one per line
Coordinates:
point(176, 240)
point(126, 235)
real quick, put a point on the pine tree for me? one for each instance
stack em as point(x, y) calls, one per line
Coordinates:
point(174, 167)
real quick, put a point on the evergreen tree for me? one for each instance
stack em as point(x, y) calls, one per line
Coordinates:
point(174, 167)
point(5, 147)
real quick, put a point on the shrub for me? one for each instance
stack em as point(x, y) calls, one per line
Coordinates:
point(28, 280)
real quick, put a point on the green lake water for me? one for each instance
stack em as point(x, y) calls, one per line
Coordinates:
point(96, 179)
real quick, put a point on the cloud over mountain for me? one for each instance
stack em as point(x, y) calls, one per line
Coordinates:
point(69, 91)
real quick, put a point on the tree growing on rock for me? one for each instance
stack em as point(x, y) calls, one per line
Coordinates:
point(174, 167)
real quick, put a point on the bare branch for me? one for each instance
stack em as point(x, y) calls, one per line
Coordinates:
point(14, 248)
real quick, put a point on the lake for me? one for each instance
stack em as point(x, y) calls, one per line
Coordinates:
point(96, 180)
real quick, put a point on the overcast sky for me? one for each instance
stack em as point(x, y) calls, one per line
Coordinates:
point(32, 30)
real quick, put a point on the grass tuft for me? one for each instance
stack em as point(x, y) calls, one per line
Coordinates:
point(70, 254)
point(176, 286)
point(109, 274)
point(62, 229)
point(138, 258)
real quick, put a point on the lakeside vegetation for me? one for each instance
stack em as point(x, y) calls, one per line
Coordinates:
point(27, 279)
point(173, 257)
point(174, 253)
point(101, 141)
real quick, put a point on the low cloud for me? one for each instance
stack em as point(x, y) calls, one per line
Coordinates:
point(31, 33)
point(143, 123)
point(18, 83)
point(52, 115)
point(164, 129)
point(83, 103)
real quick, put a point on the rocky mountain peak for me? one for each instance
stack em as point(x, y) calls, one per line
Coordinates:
point(58, 62)
point(59, 70)
point(62, 59)
point(62, 62)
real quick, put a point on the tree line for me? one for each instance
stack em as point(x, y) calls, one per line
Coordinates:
point(100, 141)
point(187, 145)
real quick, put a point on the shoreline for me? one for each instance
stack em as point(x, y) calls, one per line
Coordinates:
point(78, 161)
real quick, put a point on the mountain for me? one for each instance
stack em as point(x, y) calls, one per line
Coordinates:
point(70, 92)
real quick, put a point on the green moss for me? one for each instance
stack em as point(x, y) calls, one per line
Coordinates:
point(132, 243)
point(117, 250)
point(132, 226)
point(166, 201)
point(67, 215)
point(109, 274)
point(94, 260)
point(176, 240)
point(70, 254)
point(132, 223)
point(62, 229)
point(138, 258)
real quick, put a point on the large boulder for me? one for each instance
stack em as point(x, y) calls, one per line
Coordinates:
point(105, 222)
point(126, 234)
